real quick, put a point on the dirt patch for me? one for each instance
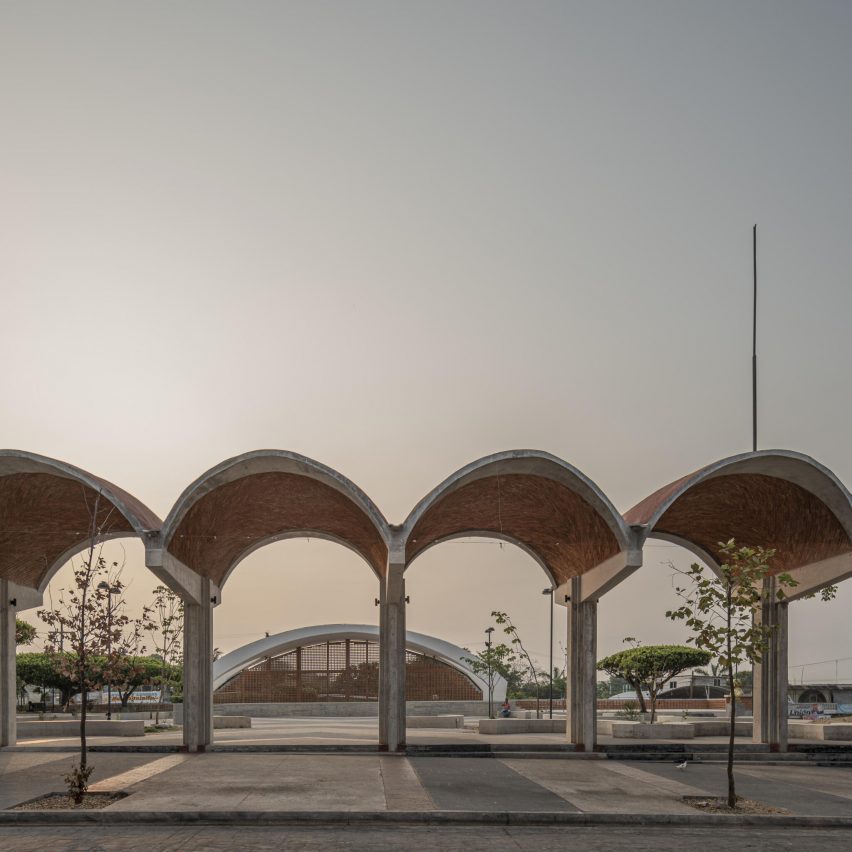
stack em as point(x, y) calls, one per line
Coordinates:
point(64, 802)
point(719, 805)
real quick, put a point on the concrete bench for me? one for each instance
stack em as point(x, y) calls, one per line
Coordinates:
point(722, 728)
point(521, 726)
point(71, 728)
point(445, 721)
point(819, 730)
point(672, 730)
point(657, 731)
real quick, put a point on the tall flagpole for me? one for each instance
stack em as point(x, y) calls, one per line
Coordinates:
point(754, 350)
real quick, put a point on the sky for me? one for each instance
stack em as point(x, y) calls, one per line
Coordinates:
point(396, 237)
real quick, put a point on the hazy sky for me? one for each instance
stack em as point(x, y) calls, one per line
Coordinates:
point(398, 236)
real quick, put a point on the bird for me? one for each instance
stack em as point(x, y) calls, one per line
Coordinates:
point(681, 765)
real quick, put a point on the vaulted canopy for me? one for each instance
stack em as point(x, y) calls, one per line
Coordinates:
point(264, 496)
point(773, 498)
point(48, 510)
point(533, 499)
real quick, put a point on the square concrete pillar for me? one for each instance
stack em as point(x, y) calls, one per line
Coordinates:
point(770, 675)
point(392, 659)
point(581, 677)
point(8, 692)
point(198, 671)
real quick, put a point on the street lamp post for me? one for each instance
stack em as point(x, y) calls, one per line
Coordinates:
point(110, 590)
point(488, 632)
point(550, 673)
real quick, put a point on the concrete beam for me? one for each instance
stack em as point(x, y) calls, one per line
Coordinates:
point(181, 579)
point(602, 579)
point(815, 577)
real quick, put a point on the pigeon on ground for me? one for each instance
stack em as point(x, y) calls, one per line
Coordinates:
point(681, 765)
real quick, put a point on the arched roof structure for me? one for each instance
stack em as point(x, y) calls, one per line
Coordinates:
point(46, 515)
point(771, 498)
point(533, 499)
point(265, 496)
point(233, 663)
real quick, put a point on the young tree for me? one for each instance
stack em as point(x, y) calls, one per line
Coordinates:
point(509, 629)
point(650, 666)
point(493, 662)
point(81, 616)
point(164, 623)
point(720, 612)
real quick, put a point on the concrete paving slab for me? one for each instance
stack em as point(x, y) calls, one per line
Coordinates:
point(483, 785)
point(775, 788)
point(606, 787)
point(403, 790)
point(248, 782)
point(836, 780)
point(21, 780)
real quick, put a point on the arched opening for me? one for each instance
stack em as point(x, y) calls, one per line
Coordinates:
point(566, 527)
point(454, 587)
point(50, 512)
point(248, 509)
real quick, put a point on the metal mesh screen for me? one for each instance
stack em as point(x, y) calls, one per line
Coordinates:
point(346, 670)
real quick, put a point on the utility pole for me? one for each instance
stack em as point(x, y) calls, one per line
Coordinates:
point(754, 348)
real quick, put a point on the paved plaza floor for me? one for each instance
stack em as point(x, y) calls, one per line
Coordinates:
point(264, 782)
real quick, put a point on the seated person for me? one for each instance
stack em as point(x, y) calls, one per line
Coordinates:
point(505, 709)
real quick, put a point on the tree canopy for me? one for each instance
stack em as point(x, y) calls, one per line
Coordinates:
point(40, 669)
point(24, 632)
point(648, 667)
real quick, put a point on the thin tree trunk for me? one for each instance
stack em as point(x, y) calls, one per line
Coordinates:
point(642, 707)
point(732, 791)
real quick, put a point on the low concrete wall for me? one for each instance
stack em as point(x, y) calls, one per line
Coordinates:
point(232, 721)
point(819, 730)
point(343, 709)
point(434, 721)
point(71, 728)
point(219, 720)
point(722, 728)
point(672, 730)
point(521, 726)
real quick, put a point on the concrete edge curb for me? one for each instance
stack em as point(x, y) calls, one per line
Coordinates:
point(321, 818)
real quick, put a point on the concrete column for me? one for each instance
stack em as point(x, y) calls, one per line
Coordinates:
point(392, 657)
point(581, 679)
point(198, 671)
point(770, 675)
point(383, 669)
point(8, 696)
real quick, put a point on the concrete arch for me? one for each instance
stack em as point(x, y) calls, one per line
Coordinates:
point(537, 501)
point(46, 509)
point(231, 664)
point(263, 496)
point(773, 498)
